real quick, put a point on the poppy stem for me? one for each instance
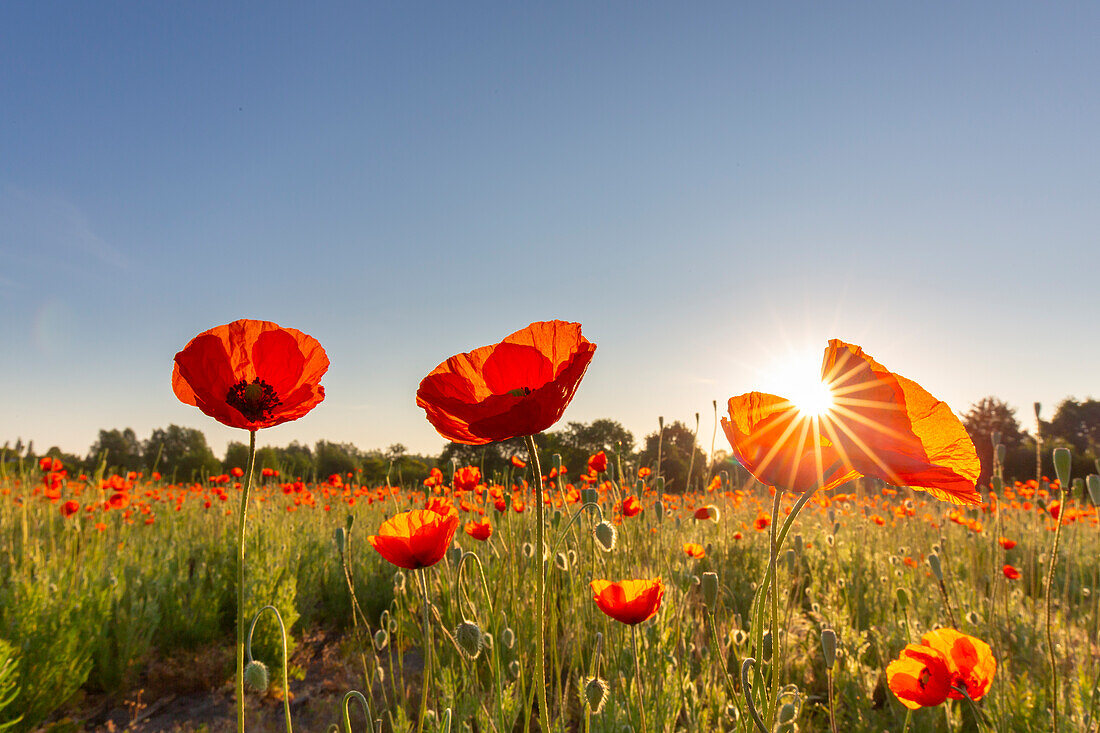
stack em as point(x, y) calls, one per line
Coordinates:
point(908, 717)
point(720, 651)
point(540, 586)
point(240, 579)
point(427, 654)
point(286, 685)
point(638, 673)
point(1050, 633)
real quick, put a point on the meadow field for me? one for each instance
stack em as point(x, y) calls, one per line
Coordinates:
point(104, 577)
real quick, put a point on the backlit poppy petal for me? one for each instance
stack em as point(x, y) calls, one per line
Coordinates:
point(518, 387)
point(415, 539)
point(919, 677)
point(630, 601)
point(970, 661)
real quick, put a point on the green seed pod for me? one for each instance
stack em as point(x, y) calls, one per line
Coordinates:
point(341, 539)
point(594, 694)
point(1093, 482)
point(828, 647)
point(255, 676)
point(508, 637)
point(555, 518)
point(934, 563)
point(605, 535)
point(790, 557)
point(1001, 449)
point(1062, 461)
point(766, 645)
point(798, 543)
point(659, 511)
point(710, 590)
point(469, 638)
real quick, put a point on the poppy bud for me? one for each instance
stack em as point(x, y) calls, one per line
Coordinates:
point(739, 637)
point(379, 675)
point(508, 637)
point(1038, 406)
point(399, 581)
point(1093, 483)
point(998, 484)
point(487, 641)
point(790, 560)
point(995, 437)
point(828, 646)
point(787, 714)
point(1062, 461)
point(528, 550)
point(660, 484)
point(605, 536)
point(391, 624)
point(455, 555)
point(514, 668)
point(469, 638)
point(766, 644)
point(830, 540)
point(903, 598)
point(341, 537)
point(1078, 486)
point(350, 520)
point(832, 516)
point(589, 496)
point(836, 527)
point(255, 676)
point(555, 518)
point(710, 589)
point(594, 692)
point(561, 562)
point(934, 563)
point(1001, 449)
point(380, 639)
point(798, 543)
point(659, 511)
point(972, 618)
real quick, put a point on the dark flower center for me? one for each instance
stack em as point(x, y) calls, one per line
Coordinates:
point(923, 678)
point(255, 400)
point(520, 391)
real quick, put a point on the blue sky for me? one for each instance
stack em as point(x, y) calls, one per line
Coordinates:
point(712, 189)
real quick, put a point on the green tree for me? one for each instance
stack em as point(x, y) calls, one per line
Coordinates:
point(676, 451)
point(985, 417)
point(1077, 423)
point(122, 449)
point(184, 453)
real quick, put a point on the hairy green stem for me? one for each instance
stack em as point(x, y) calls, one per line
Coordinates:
point(240, 579)
point(540, 587)
point(1050, 633)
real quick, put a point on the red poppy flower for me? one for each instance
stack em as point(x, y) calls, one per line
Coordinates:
point(518, 462)
point(1007, 543)
point(969, 660)
point(1011, 573)
point(467, 478)
point(480, 530)
point(598, 463)
point(251, 374)
point(692, 549)
point(518, 387)
point(762, 522)
point(631, 601)
point(416, 539)
point(880, 424)
point(920, 677)
point(631, 507)
point(69, 508)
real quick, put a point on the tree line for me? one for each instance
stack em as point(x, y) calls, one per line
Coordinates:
point(182, 454)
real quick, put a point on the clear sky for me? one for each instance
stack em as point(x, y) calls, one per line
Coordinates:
point(711, 189)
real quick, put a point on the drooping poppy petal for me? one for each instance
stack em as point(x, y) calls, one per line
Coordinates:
point(969, 660)
point(630, 601)
point(694, 549)
point(891, 428)
point(919, 677)
point(251, 374)
point(879, 424)
point(518, 387)
point(415, 539)
point(480, 530)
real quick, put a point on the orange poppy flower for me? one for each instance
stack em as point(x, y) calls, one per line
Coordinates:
point(880, 424)
point(1011, 573)
point(480, 530)
point(692, 549)
point(518, 387)
point(631, 507)
point(251, 374)
point(644, 472)
point(969, 660)
point(920, 677)
point(518, 462)
point(69, 508)
point(631, 601)
point(598, 463)
point(415, 539)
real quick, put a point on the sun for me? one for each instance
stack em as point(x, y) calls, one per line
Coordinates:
point(797, 377)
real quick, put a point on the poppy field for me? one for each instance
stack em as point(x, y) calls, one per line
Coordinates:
point(844, 571)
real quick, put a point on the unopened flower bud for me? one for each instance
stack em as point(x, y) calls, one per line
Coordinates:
point(659, 511)
point(1093, 483)
point(508, 637)
point(595, 694)
point(528, 550)
point(561, 562)
point(998, 483)
point(469, 639)
point(798, 543)
point(934, 563)
point(903, 598)
point(605, 535)
point(380, 639)
point(766, 644)
point(341, 539)
point(255, 676)
point(787, 713)
point(1001, 450)
point(828, 647)
point(1062, 461)
point(710, 589)
point(514, 668)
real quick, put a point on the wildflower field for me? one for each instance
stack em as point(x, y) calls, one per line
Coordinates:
point(843, 572)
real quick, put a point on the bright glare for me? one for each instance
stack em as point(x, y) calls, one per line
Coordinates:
point(797, 377)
